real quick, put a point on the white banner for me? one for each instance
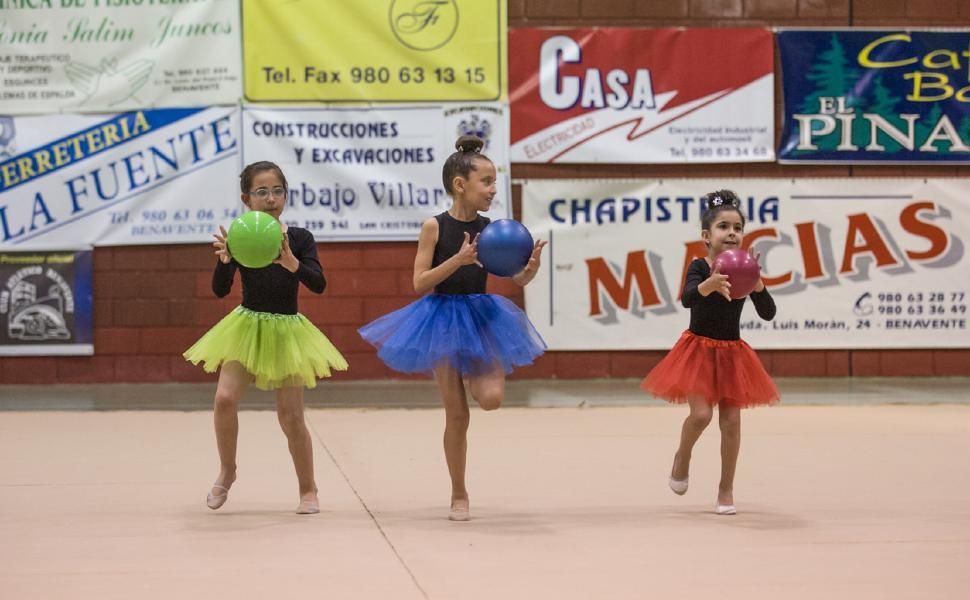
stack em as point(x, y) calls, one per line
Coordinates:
point(115, 55)
point(372, 174)
point(166, 176)
point(851, 263)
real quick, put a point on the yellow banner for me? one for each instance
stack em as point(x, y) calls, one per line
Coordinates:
point(375, 50)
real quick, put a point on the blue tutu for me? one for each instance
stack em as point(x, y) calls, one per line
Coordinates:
point(472, 333)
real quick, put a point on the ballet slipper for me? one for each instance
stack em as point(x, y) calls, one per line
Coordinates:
point(215, 501)
point(308, 507)
point(678, 487)
point(459, 511)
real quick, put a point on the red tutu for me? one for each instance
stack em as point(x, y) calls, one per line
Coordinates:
point(724, 372)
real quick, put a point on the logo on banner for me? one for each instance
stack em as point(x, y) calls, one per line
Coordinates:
point(107, 82)
point(424, 24)
point(863, 306)
point(34, 305)
point(478, 126)
point(7, 133)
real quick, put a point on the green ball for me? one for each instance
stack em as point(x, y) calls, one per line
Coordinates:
point(255, 239)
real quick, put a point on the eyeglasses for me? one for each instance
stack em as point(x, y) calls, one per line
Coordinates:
point(263, 193)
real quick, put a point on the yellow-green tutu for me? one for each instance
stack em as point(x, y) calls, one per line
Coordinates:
point(278, 350)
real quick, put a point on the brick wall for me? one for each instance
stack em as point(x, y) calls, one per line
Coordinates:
point(152, 302)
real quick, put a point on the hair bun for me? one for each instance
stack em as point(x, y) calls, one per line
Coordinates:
point(469, 143)
point(723, 198)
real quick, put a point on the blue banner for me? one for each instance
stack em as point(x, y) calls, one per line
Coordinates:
point(83, 144)
point(46, 303)
point(875, 96)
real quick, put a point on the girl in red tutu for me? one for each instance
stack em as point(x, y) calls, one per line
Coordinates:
point(710, 364)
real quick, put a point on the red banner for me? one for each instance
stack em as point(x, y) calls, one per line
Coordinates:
point(641, 95)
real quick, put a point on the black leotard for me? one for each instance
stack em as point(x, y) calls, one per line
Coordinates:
point(468, 279)
point(713, 316)
point(273, 289)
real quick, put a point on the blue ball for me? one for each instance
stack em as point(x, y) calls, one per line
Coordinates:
point(504, 247)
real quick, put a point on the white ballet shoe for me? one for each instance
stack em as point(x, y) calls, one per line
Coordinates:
point(725, 509)
point(459, 511)
point(215, 501)
point(679, 487)
point(308, 507)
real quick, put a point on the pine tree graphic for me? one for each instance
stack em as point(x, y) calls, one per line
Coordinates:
point(833, 77)
point(883, 104)
point(925, 126)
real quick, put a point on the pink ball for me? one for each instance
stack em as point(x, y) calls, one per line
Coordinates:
point(742, 270)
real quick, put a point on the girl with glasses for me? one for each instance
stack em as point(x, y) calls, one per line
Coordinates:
point(266, 341)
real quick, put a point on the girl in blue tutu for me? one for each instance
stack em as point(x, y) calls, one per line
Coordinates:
point(265, 340)
point(459, 332)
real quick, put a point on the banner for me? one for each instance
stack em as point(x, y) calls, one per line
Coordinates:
point(642, 95)
point(165, 176)
point(851, 263)
point(46, 303)
point(375, 51)
point(372, 174)
point(875, 96)
point(116, 55)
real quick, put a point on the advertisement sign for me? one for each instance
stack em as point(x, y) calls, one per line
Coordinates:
point(622, 95)
point(46, 303)
point(875, 96)
point(164, 176)
point(850, 263)
point(111, 56)
point(372, 174)
point(375, 51)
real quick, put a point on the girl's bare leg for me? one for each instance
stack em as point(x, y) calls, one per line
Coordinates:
point(729, 419)
point(289, 411)
point(233, 379)
point(694, 425)
point(456, 429)
point(488, 389)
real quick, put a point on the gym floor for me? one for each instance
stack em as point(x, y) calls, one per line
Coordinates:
point(853, 488)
